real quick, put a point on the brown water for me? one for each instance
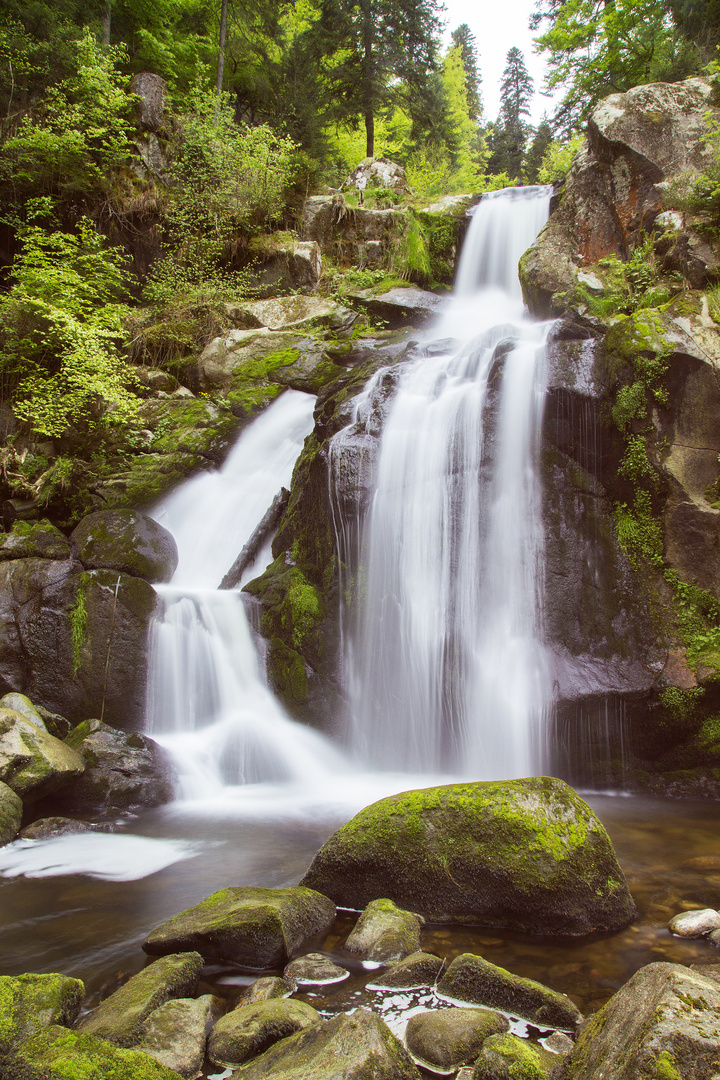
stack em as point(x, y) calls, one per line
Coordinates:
point(670, 852)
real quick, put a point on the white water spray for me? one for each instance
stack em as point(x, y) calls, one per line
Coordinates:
point(444, 663)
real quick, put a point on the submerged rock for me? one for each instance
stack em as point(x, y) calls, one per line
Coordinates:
point(506, 1057)
point(250, 1030)
point(444, 1039)
point(32, 762)
point(418, 969)
point(352, 1047)
point(664, 1022)
point(694, 924)
point(175, 1034)
point(120, 1018)
point(252, 927)
point(125, 540)
point(29, 1003)
point(46, 828)
point(315, 969)
point(525, 854)
point(384, 933)
point(59, 1054)
point(267, 989)
point(471, 978)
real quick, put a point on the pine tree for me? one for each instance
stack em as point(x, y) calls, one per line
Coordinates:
point(465, 39)
point(516, 91)
point(536, 152)
point(375, 54)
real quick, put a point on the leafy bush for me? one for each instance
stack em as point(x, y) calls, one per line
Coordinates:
point(61, 325)
point(557, 160)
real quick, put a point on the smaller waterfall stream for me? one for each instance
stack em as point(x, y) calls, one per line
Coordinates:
point(207, 700)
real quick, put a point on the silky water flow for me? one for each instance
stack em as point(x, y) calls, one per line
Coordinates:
point(445, 670)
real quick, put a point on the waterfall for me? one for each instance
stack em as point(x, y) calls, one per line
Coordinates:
point(445, 669)
point(207, 698)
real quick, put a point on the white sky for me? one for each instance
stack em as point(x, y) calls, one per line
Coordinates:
point(497, 26)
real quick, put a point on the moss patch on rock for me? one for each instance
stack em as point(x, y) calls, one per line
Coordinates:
point(59, 1054)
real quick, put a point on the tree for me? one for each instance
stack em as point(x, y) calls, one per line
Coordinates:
point(373, 55)
point(600, 47)
point(536, 152)
point(465, 40)
point(510, 134)
point(700, 21)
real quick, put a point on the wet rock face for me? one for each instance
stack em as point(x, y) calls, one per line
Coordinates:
point(526, 854)
point(637, 141)
point(57, 626)
point(151, 90)
point(664, 1022)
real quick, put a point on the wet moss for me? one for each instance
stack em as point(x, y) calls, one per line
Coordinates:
point(31, 1002)
point(59, 1054)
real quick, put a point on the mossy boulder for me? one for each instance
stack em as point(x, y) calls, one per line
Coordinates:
point(23, 705)
point(524, 854)
point(175, 1034)
point(250, 1030)
point(11, 811)
point(384, 932)
point(664, 1024)
point(314, 969)
point(418, 969)
point(32, 762)
point(506, 1057)
point(48, 827)
point(121, 1017)
point(267, 988)
point(445, 1039)
point(122, 770)
point(59, 1054)
point(125, 540)
point(34, 540)
point(252, 927)
point(30, 1002)
point(474, 979)
point(359, 1046)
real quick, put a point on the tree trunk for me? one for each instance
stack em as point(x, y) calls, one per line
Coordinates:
point(106, 20)
point(221, 48)
point(367, 80)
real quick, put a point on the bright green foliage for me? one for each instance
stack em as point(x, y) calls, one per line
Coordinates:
point(79, 137)
point(464, 39)
point(61, 325)
point(557, 159)
point(681, 702)
point(639, 532)
point(596, 48)
point(78, 624)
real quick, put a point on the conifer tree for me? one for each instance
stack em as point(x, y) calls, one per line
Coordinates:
point(375, 54)
point(465, 39)
point(510, 133)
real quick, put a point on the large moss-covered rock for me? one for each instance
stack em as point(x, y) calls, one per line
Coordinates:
point(23, 705)
point(69, 642)
point(120, 1018)
point(122, 770)
point(418, 969)
point(253, 927)
point(125, 540)
point(384, 932)
point(11, 811)
point(524, 854)
point(250, 1030)
point(32, 762)
point(663, 1023)
point(29, 1003)
point(297, 312)
point(472, 978)
point(348, 1047)
point(445, 1039)
point(59, 1054)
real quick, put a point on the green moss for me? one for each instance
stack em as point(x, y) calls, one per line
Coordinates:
point(31, 1002)
point(639, 532)
point(59, 1054)
point(77, 616)
point(665, 1067)
point(507, 1057)
point(263, 366)
point(681, 702)
point(286, 671)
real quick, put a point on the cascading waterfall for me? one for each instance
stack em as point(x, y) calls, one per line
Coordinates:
point(207, 700)
point(444, 664)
